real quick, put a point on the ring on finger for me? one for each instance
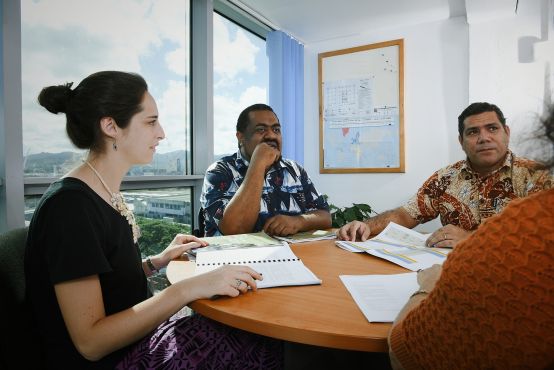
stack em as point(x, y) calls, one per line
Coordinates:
point(238, 283)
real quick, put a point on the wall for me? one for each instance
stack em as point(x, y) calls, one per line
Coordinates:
point(511, 59)
point(435, 92)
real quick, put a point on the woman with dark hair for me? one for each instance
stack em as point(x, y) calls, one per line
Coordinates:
point(85, 280)
point(492, 306)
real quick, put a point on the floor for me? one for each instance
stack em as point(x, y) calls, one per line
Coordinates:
point(306, 357)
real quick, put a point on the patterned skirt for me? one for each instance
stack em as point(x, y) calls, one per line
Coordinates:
point(196, 342)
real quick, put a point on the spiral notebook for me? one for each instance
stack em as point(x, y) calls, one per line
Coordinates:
point(278, 264)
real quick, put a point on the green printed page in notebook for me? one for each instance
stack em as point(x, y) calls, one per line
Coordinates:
point(253, 239)
point(237, 241)
point(308, 236)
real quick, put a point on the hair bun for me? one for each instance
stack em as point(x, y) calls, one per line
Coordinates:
point(56, 98)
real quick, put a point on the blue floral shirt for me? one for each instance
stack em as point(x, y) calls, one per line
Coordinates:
point(287, 190)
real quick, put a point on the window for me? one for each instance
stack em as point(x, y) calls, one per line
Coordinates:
point(241, 78)
point(65, 41)
point(161, 214)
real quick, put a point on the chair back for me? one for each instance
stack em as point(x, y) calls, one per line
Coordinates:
point(18, 333)
point(199, 232)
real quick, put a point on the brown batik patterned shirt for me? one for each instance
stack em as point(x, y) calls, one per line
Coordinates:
point(462, 198)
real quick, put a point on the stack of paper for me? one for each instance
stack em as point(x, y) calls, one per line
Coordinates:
point(400, 245)
point(308, 236)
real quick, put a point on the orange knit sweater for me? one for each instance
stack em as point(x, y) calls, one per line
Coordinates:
point(493, 307)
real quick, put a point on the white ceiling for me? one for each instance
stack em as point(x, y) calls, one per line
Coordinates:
point(318, 20)
point(311, 21)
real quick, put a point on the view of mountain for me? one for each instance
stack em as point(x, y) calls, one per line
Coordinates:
point(57, 164)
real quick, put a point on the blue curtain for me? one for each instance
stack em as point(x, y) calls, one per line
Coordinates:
point(286, 90)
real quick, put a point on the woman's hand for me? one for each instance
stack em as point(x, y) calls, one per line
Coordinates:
point(428, 278)
point(179, 245)
point(226, 280)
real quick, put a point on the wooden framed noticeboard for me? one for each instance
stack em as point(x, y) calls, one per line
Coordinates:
point(361, 109)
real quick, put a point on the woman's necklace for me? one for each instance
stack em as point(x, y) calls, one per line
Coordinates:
point(119, 204)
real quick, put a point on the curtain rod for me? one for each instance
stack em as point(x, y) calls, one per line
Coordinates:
point(254, 14)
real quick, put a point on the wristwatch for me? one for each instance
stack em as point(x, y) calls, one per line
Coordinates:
point(151, 265)
point(418, 292)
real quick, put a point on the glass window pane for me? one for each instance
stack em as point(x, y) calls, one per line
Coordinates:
point(65, 41)
point(241, 78)
point(161, 214)
point(31, 202)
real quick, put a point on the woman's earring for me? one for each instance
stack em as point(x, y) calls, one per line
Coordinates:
point(114, 146)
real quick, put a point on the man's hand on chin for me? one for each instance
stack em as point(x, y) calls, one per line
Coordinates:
point(282, 225)
point(265, 155)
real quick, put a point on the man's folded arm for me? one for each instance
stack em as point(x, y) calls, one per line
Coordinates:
point(313, 220)
point(241, 213)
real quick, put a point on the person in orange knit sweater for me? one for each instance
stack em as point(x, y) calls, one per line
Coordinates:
point(492, 306)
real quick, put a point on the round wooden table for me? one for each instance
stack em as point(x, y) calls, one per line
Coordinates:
point(322, 315)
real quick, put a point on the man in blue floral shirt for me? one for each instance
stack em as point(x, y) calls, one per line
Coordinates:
point(256, 189)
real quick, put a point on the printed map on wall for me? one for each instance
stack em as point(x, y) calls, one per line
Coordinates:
point(361, 111)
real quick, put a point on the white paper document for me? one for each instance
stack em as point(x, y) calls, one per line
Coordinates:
point(381, 297)
point(360, 247)
point(278, 264)
point(398, 235)
point(400, 245)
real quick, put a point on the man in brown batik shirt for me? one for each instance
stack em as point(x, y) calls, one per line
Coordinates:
point(467, 192)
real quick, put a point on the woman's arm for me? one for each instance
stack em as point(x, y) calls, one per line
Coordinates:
point(427, 279)
point(95, 335)
point(179, 245)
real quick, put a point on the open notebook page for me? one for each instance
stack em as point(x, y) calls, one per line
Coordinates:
point(278, 264)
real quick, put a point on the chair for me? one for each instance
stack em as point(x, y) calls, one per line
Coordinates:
point(18, 333)
point(199, 231)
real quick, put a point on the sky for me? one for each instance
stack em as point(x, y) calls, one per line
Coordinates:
point(67, 40)
point(241, 79)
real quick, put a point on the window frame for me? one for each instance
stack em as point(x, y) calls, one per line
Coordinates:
point(241, 18)
point(11, 151)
